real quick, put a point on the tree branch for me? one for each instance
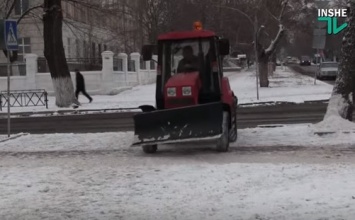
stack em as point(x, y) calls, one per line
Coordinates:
point(241, 12)
point(274, 43)
point(11, 8)
point(284, 4)
point(28, 11)
point(269, 12)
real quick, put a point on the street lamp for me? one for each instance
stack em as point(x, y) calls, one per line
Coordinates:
point(256, 33)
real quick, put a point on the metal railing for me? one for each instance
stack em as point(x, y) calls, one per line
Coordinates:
point(24, 98)
point(143, 65)
point(117, 64)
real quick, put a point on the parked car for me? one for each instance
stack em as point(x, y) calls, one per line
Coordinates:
point(305, 61)
point(327, 70)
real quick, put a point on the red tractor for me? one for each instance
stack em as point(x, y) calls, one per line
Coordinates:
point(194, 100)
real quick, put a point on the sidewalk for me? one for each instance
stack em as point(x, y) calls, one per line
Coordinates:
point(284, 86)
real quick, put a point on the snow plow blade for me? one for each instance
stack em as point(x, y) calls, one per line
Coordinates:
point(178, 125)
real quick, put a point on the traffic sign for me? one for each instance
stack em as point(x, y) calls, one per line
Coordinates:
point(319, 38)
point(10, 37)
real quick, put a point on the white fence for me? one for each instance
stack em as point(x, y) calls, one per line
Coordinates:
point(106, 81)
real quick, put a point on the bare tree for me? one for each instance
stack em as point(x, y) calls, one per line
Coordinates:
point(341, 101)
point(270, 13)
point(55, 54)
point(265, 53)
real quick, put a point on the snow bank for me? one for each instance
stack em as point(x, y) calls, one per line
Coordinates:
point(4, 138)
point(292, 135)
point(333, 122)
point(337, 106)
point(68, 142)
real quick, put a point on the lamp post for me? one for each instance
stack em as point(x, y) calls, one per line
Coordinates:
point(256, 57)
point(255, 33)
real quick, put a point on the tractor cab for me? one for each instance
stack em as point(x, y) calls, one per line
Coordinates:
point(189, 68)
point(194, 100)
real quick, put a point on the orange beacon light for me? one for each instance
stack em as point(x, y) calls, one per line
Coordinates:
point(197, 25)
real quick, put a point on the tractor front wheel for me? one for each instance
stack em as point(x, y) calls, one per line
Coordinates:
point(150, 149)
point(233, 133)
point(223, 141)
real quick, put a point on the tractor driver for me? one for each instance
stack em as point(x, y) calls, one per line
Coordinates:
point(190, 62)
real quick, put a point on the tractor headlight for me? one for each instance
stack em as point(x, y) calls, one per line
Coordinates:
point(186, 91)
point(171, 92)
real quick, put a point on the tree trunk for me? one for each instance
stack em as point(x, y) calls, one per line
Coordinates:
point(263, 71)
point(55, 54)
point(341, 101)
point(263, 68)
point(264, 56)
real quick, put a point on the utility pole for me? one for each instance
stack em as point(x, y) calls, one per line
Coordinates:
point(9, 68)
point(8, 42)
point(256, 56)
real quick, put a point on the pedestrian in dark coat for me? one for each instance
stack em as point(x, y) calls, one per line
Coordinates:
point(80, 85)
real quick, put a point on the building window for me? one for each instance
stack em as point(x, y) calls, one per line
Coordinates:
point(24, 45)
point(21, 6)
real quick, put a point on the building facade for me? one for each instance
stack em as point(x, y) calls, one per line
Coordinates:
point(89, 28)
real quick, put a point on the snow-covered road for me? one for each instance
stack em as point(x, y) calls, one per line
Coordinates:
point(177, 185)
point(268, 174)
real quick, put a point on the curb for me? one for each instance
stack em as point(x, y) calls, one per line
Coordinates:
point(14, 137)
point(323, 133)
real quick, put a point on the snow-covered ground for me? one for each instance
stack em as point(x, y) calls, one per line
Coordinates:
point(284, 86)
point(287, 172)
point(270, 173)
point(112, 190)
point(283, 135)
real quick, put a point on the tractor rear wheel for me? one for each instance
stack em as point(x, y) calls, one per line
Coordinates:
point(223, 141)
point(150, 149)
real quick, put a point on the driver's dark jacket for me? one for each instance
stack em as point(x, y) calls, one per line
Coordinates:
point(193, 62)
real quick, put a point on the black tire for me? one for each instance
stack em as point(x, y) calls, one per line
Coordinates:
point(233, 133)
point(150, 149)
point(223, 141)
